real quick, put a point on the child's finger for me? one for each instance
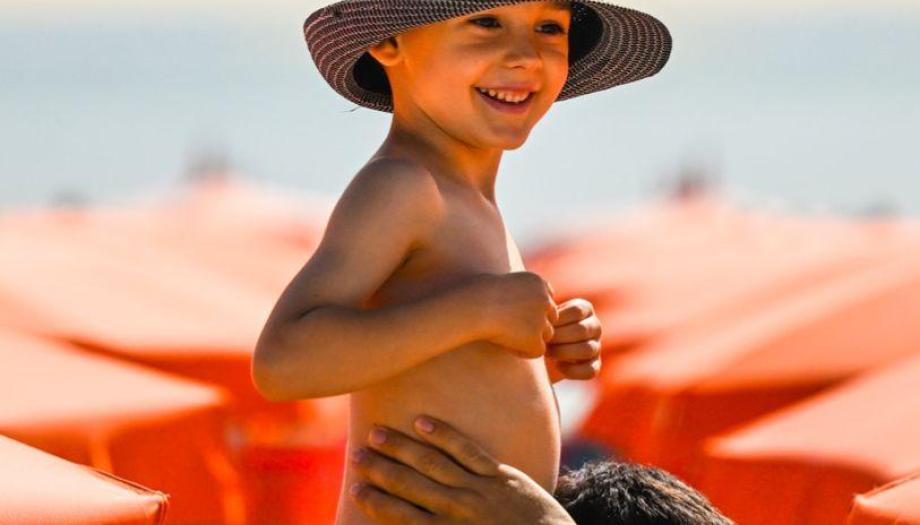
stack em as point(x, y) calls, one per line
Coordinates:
point(574, 352)
point(582, 370)
point(465, 451)
point(574, 310)
point(583, 330)
point(552, 309)
point(549, 332)
point(552, 312)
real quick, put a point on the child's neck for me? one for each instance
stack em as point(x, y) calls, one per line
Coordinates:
point(443, 154)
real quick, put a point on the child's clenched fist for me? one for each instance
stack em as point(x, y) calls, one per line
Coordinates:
point(574, 351)
point(520, 310)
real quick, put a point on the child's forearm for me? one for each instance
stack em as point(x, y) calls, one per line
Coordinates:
point(335, 349)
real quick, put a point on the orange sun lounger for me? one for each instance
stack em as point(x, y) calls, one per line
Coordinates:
point(163, 432)
point(37, 488)
point(804, 464)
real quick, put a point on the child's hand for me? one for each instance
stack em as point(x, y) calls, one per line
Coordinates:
point(574, 350)
point(520, 312)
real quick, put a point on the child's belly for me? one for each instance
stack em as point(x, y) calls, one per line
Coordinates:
point(505, 403)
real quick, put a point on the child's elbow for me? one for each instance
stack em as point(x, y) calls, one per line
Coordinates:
point(264, 377)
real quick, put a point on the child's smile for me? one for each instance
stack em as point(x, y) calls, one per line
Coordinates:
point(507, 101)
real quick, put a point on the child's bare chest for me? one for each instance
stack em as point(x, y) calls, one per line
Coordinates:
point(470, 239)
point(503, 401)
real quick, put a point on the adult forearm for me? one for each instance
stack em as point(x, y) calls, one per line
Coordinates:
point(334, 349)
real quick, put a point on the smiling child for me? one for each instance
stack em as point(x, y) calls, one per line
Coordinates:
point(416, 299)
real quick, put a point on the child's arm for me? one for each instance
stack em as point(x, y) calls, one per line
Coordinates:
point(318, 340)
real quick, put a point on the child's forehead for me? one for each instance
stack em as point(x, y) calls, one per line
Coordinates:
point(562, 5)
point(550, 5)
point(553, 5)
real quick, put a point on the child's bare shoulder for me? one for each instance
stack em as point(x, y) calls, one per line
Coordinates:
point(394, 199)
point(388, 208)
point(394, 185)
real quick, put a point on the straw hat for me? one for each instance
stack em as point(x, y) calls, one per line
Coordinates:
point(608, 45)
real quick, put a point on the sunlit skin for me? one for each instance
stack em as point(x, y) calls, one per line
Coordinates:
point(417, 300)
point(434, 69)
point(440, 122)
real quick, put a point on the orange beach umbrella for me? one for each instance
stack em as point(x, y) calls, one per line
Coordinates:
point(803, 464)
point(37, 488)
point(895, 503)
point(160, 431)
point(660, 268)
point(184, 284)
point(658, 404)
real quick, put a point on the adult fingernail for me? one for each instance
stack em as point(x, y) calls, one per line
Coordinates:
point(358, 455)
point(378, 436)
point(354, 489)
point(424, 424)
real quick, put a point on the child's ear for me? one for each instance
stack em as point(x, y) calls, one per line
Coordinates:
point(387, 52)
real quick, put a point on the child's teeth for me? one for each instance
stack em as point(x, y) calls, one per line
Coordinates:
point(510, 98)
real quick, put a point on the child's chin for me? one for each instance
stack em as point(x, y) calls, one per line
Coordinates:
point(510, 142)
point(515, 146)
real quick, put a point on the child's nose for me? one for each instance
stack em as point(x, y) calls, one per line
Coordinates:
point(522, 50)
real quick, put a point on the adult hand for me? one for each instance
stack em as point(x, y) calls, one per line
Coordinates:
point(574, 352)
point(446, 478)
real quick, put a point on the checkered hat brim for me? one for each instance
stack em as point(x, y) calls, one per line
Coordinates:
point(609, 45)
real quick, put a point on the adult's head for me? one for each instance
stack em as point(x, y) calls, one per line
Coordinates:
point(613, 493)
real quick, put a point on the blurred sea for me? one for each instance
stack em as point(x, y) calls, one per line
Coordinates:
point(811, 109)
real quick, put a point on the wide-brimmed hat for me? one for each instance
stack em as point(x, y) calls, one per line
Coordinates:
point(609, 45)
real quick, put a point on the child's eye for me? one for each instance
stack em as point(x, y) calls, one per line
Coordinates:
point(560, 29)
point(491, 19)
point(484, 18)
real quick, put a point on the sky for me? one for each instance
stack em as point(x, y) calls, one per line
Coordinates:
point(809, 106)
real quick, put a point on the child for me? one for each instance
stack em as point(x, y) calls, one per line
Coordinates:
point(416, 299)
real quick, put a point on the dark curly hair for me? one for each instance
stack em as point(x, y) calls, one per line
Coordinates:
point(612, 493)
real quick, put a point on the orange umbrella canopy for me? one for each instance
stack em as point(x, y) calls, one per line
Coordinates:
point(658, 268)
point(184, 284)
point(158, 430)
point(658, 404)
point(811, 458)
point(708, 309)
point(63, 282)
point(895, 503)
point(39, 488)
point(255, 234)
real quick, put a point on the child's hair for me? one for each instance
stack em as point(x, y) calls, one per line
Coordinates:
point(612, 493)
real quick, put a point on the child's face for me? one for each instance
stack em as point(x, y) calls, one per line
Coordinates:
point(435, 70)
